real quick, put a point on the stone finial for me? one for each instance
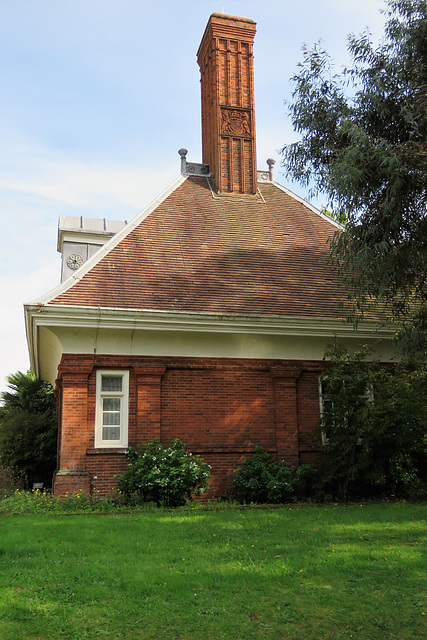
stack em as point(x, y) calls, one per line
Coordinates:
point(271, 162)
point(183, 154)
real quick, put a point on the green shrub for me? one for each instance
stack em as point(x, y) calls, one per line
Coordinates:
point(166, 476)
point(28, 427)
point(375, 420)
point(11, 479)
point(263, 479)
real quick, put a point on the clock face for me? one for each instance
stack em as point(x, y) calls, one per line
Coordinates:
point(74, 261)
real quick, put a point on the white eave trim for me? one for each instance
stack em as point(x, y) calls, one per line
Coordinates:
point(109, 245)
point(38, 315)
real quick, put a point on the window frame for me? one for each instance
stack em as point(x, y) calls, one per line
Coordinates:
point(122, 442)
point(322, 398)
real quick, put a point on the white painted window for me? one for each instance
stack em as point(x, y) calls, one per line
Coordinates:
point(112, 408)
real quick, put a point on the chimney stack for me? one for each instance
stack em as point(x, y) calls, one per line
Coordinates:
point(225, 58)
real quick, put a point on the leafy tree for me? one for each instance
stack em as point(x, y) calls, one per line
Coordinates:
point(364, 143)
point(339, 216)
point(28, 427)
point(374, 422)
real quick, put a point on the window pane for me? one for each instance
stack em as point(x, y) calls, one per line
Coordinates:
point(111, 418)
point(111, 404)
point(111, 433)
point(112, 383)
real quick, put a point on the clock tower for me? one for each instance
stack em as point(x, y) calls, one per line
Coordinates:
point(79, 238)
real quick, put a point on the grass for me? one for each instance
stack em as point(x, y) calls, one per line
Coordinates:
point(304, 572)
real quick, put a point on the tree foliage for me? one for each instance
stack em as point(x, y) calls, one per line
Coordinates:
point(364, 143)
point(28, 427)
point(375, 423)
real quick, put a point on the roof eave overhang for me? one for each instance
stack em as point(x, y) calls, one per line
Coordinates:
point(38, 315)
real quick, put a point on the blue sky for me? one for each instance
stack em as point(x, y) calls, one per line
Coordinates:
point(97, 96)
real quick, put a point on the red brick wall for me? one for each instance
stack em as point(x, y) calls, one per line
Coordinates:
point(221, 408)
point(102, 466)
point(211, 407)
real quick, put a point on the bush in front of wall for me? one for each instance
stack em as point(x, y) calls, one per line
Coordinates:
point(167, 476)
point(11, 479)
point(28, 428)
point(375, 420)
point(262, 479)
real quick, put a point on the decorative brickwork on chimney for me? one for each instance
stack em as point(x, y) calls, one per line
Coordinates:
point(225, 59)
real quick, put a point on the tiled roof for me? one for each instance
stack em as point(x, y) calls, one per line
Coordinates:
point(248, 255)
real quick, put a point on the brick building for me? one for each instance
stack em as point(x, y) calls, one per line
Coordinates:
point(207, 316)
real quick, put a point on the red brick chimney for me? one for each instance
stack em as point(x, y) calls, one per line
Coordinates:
point(225, 58)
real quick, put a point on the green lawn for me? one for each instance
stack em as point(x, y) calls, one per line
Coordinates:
point(302, 572)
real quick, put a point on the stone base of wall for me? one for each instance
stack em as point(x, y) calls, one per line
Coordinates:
point(71, 482)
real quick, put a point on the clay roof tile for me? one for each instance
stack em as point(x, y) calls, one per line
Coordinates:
point(264, 254)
